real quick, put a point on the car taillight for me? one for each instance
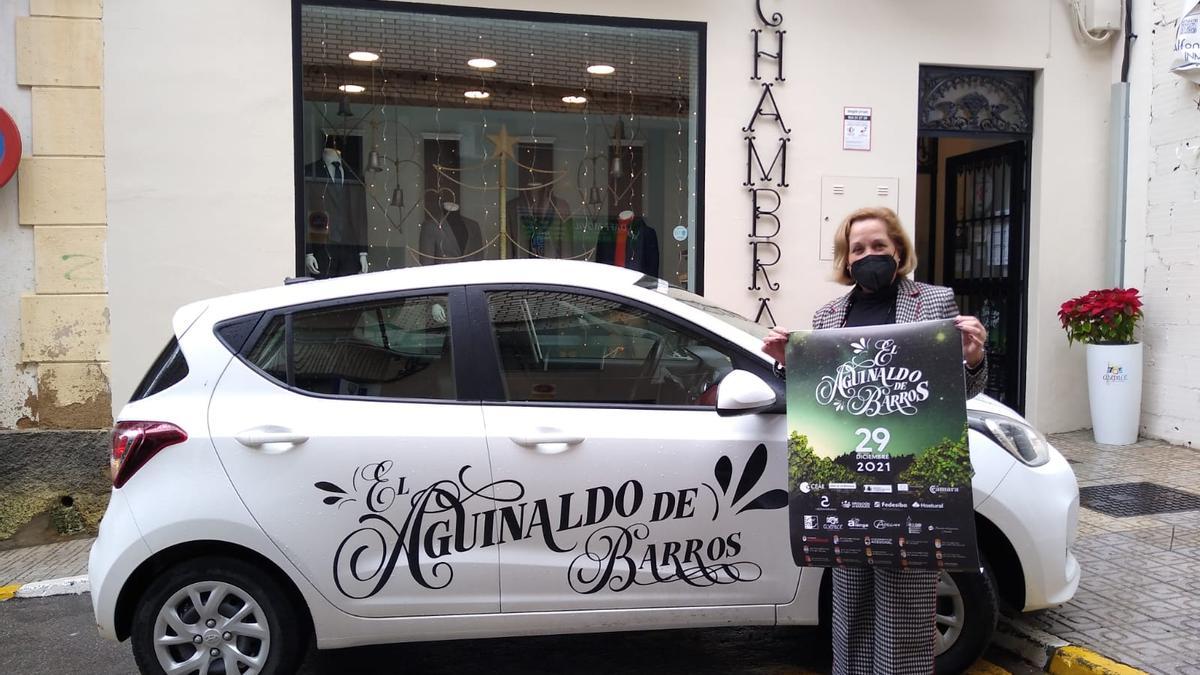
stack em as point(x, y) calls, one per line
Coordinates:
point(134, 443)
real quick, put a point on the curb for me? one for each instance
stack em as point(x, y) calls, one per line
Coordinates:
point(1053, 655)
point(44, 589)
point(1073, 660)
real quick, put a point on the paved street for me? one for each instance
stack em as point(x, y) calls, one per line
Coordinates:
point(49, 636)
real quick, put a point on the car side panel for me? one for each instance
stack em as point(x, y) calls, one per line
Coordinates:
point(168, 516)
point(350, 631)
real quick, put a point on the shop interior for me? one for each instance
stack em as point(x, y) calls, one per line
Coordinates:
point(436, 138)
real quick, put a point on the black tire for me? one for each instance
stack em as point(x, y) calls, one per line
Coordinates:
point(288, 636)
point(980, 611)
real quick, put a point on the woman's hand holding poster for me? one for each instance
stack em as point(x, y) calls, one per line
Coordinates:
point(879, 470)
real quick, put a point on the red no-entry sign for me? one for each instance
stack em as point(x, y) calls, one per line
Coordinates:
point(10, 147)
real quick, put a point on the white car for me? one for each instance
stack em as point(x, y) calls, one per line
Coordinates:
point(493, 449)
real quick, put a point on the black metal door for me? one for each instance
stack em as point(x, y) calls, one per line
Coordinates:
point(985, 256)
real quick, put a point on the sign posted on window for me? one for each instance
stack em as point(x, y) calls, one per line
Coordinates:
point(879, 471)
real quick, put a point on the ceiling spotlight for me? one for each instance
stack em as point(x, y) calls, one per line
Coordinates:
point(601, 69)
point(481, 63)
point(352, 88)
point(364, 56)
point(577, 100)
point(475, 94)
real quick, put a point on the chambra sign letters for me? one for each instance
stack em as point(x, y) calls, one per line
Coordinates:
point(765, 199)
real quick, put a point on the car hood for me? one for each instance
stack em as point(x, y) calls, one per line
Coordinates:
point(987, 404)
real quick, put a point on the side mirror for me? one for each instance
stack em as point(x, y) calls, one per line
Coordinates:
point(741, 392)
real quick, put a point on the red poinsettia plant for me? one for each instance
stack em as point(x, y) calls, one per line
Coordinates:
point(1106, 316)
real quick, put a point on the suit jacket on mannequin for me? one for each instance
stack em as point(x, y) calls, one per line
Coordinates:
point(641, 247)
point(543, 227)
point(344, 202)
point(451, 240)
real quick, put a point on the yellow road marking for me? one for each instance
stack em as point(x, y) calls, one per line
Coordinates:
point(1079, 661)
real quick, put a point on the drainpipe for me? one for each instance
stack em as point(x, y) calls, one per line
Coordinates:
point(1118, 165)
point(1118, 168)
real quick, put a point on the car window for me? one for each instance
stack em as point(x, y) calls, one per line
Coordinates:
point(575, 348)
point(392, 349)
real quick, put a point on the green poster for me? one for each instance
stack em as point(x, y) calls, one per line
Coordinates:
point(879, 471)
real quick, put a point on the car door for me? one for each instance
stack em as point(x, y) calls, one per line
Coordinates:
point(634, 492)
point(350, 435)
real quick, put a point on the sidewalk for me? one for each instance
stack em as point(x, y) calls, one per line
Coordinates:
point(1138, 600)
point(39, 563)
point(1139, 596)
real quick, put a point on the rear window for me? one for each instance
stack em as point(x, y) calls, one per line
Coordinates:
point(394, 349)
point(169, 368)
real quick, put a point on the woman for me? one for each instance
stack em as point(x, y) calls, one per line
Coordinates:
point(883, 619)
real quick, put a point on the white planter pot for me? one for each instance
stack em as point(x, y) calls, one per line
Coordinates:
point(1114, 374)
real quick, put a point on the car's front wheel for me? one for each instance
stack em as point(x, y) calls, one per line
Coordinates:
point(216, 615)
point(966, 617)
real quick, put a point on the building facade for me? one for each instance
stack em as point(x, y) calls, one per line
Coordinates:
point(175, 152)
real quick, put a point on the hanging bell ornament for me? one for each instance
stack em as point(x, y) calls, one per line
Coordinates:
point(373, 163)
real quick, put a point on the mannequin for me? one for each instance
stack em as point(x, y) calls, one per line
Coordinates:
point(451, 238)
point(540, 223)
point(629, 242)
point(335, 203)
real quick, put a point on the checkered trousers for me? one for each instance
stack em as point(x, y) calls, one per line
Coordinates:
point(883, 621)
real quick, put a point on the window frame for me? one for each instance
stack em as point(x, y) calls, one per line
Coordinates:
point(489, 370)
point(699, 28)
point(465, 389)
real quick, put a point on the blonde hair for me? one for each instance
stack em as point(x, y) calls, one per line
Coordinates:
point(841, 242)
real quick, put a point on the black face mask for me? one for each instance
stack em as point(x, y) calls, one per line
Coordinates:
point(874, 272)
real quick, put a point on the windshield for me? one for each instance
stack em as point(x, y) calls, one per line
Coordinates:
point(732, 318)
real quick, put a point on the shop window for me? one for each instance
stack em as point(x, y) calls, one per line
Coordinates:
point(570, 348)
point(429, 138)
point(394, 349)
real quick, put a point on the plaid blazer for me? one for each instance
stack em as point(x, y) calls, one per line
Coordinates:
point(915, 301)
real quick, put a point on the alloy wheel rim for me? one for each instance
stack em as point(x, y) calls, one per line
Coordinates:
point(211, 627)
point(951, 613)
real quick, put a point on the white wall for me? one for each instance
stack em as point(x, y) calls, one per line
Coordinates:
point(17, 381)
point(181, 228)
point(1168, 252)
point(198, 115)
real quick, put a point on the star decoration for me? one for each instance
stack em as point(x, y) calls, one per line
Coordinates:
point(503, 144)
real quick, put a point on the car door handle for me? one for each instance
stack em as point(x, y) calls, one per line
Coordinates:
point(549, 443)
point(260, 436)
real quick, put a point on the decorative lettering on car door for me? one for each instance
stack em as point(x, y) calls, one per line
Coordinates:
point(402, 526)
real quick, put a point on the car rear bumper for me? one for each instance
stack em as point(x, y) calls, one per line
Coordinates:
point(1037, 509)
point(116, 553)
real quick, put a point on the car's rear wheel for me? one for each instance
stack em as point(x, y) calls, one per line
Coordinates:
point(218, 616)
point(966, 617)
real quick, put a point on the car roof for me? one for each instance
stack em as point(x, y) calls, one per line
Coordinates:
point(541, 271)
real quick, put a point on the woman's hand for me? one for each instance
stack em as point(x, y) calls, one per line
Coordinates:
point(974, 337)
point(775, 345)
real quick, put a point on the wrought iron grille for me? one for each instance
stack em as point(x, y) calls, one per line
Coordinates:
point(985, 225)
point(957, 101)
